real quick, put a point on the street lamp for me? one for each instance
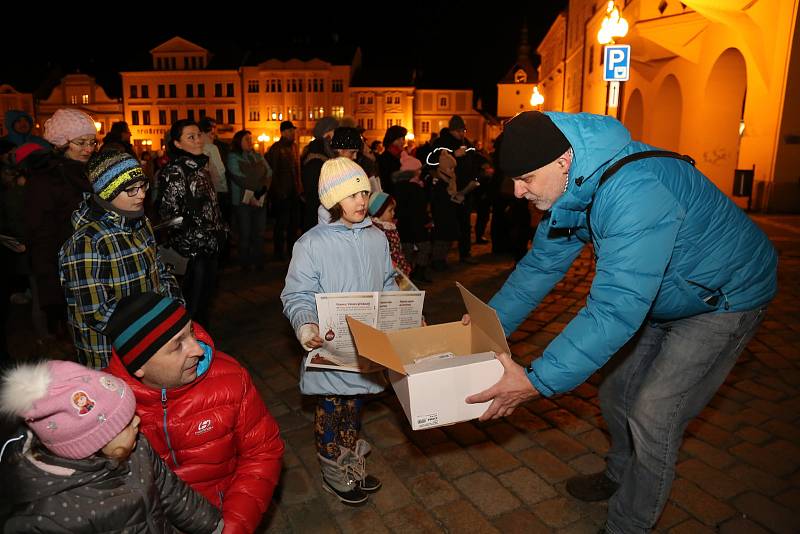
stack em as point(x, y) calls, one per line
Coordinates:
point(613, 25)
point(98, 125)
point(410, 136)
point(536, 97)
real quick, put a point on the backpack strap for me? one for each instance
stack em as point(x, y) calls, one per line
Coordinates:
point(610, 171)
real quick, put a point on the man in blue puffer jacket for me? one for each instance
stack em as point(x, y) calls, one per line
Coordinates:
point(683, 279)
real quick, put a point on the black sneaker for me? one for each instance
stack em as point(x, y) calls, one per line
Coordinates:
point(353, 497)
point(370, 484)
point(592, 488)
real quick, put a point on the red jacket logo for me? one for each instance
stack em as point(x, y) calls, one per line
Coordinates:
point(204, 427)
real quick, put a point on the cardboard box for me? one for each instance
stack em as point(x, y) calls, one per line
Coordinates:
point(431, 386)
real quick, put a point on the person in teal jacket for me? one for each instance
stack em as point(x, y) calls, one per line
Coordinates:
point(682, 281)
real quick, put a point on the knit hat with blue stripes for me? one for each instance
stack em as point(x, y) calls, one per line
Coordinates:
point(340, 178)
point(142, 324)
point(111, 172)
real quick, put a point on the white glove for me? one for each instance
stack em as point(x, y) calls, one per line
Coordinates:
point(307, 332)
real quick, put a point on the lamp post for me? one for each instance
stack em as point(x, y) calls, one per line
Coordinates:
point(536, 98)
point(613, 26)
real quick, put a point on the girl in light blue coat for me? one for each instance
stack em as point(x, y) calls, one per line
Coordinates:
point(342, 253)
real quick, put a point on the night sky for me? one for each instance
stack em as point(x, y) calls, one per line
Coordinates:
point(446, 45)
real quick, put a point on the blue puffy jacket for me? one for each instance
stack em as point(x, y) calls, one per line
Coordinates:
point(332, 258)
point(665, 237)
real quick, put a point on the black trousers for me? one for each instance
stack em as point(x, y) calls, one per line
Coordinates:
point(287, 218)
point(199, 286)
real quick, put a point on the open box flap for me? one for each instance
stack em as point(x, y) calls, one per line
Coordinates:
point(485, 319)
point(374, 344)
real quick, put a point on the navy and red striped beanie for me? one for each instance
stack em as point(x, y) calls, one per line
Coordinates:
point(141, 324)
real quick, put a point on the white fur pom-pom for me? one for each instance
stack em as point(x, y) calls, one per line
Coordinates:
point(22, 386)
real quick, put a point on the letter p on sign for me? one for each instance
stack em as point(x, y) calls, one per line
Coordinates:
point(616, 63)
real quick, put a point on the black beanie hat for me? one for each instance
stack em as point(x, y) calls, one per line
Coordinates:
point(141, 324)
point(530, 141)
point(346, 138)
point(393, 133)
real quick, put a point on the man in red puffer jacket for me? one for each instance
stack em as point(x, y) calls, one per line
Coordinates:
point(198, 407)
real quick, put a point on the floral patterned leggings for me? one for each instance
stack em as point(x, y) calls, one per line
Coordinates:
point(337, 423)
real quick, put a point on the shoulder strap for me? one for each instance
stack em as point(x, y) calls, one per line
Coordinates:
point(610, 171)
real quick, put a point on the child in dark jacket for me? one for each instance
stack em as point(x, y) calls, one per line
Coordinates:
point(78, 464)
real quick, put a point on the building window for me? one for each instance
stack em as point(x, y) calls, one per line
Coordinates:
point(173, 90)
point(398, 122)
point(255, 115)
point(146, 118)
point(162, 93)
point(189, 90)
point(202, 113)
point(370, 124)
point(300, 85)
point(397, 100)
point(316, 112)
point(159, 64)
point(322, 86)
point(219, 116)
point(218, 90)
point(313, 85)
point(426, 126)
point(360, 123)
point(85, 99)
point(173, 116)
point(190, 114)
point(369, 100)
point(201, 90)
point(135, 117)
point(162, 116)
point(520, 76)
point(145, 91)
point(194, 62)
point(134, 91)
point(444, 102)
point(229, 91)
point(185, 63)
point(173, 63)
point(231, 114)
point(252, 86)
point(362, 100)
point(388, 99)
point(337, 111)
point(337, 86)
point(388, 123)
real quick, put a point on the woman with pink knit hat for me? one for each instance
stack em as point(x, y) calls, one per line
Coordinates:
point(56, 185)
point(78, 464)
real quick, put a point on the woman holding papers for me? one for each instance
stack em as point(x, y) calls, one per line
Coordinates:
point(343, 253)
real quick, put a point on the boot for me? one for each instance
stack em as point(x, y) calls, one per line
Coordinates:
point(338, 478)
point(368, 483)
point(592, 488)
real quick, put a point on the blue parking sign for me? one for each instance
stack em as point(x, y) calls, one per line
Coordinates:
point(616, 63)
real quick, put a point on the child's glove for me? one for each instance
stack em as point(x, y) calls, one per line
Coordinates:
point(306, 335)
point(219, 528)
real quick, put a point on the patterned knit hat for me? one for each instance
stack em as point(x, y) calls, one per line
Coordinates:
point(378, 202)
point(142, 324)
point(75, 411)
point(68, 124)
point(340, 178)
point(110, 172)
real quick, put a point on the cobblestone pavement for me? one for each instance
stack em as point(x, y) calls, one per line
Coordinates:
point(737, 470)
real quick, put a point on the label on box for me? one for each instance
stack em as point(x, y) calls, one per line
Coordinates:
point(424, 421)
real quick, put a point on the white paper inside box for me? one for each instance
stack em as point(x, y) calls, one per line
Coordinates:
point(432, 390)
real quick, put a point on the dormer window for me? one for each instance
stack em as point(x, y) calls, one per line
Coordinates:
point(520, 76)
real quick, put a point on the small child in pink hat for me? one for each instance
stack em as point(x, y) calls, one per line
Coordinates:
point(78, 463)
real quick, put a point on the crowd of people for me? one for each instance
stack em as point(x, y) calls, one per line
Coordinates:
point(683, 279)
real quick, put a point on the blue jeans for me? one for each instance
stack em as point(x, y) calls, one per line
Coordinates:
point(658, 383)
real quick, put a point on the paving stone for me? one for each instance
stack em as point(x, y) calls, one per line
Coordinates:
point(526, 421)
point(432, 491)
point(461, 516)
point(465, 433)
point(452, 460)
point(596, 440)
point(546, 465)
point(564, 420)
point(711, 434)
point(384, 433)
point(297, 486)
point(757, 479)
point(486, 493)
point(521, 521)
point(581, 526)
point(510, 438)
point(740, 525)
point(411, 520)
point(768, 513)
point(778, 458)
point(559, 443)
point(407, 460)
point(312, 516)
point(393, 493)
point(707, 453)
point(790, 499)
point(588, 464)
point(492, 457)
point(670, 517)
point(711, 480)
point(753, 435)
point(527, 485)
point(557, 512)
point(361, 520)
point(691, 526)
point(703, 506)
